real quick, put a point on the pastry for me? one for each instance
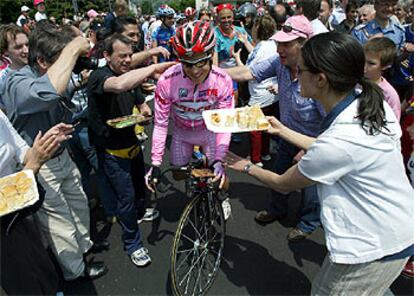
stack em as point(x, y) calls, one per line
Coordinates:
point(215, 119)
point(229, 121)
point(262, 123)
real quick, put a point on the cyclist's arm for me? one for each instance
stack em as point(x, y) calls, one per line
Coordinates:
point(162, 107)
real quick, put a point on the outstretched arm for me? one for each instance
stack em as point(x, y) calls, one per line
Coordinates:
point(131, 79)
point(291, 180)
point(240, 73)
point(299, 140)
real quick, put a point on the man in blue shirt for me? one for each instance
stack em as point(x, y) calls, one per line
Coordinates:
point(382, 25)
point(303, 115)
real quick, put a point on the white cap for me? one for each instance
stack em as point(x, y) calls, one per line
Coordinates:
point(24, 8)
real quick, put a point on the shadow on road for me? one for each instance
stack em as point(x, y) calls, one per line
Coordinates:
point(270, 277)
point(307, 250)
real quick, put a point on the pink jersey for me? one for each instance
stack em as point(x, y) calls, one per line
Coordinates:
point(178, 95)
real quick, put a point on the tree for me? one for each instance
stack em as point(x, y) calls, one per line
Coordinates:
point(181, 5)
point(146, 7)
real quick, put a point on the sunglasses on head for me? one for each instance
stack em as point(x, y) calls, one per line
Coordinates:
point(287, 28)
point(197, 64)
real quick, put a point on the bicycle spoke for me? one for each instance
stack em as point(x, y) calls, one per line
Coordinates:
point(198, 277)
point(186, 237)
point(192, 266)
point(196, 230)
point(184, 260)
point(188, 280)
point(183, 251)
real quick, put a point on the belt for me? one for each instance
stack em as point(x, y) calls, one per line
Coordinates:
point(128, 153)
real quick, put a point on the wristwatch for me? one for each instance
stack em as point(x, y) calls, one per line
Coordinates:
point(247, 167)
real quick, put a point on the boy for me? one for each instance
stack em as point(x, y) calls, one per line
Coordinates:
point(380, 54)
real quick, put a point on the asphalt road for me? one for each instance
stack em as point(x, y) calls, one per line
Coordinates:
point(258, 260)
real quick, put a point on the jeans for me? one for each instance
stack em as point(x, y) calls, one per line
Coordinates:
point(309, 214)
point(84, 155)
point(126, 176)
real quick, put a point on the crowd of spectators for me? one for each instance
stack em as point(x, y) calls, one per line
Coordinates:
point(68, 76)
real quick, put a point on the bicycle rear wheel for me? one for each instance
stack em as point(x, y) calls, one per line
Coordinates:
point(198, 246)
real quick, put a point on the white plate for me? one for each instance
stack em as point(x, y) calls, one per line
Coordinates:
point(221, 128)
point(28, 198)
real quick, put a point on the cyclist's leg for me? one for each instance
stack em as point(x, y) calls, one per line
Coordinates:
point(181, 150)
point(207, 141)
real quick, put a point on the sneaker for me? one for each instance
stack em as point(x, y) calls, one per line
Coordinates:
point(265, 217)
point(296, 234)
point(266, 157)
point(225, 204)
point(259, 164)
point(150, 215)
point(140, 257)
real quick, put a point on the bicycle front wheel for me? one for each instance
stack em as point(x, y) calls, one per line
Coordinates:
point(198, 246)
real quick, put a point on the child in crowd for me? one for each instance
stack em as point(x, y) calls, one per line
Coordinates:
point(380, 54)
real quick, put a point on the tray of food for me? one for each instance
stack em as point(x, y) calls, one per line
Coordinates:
point(129, 120)
point(17, 191)
point(245, 119)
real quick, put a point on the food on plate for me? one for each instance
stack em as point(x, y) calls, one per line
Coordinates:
point(215, 119)
point(16, 191)
point(229, 121)
point(262, 123)
point(243, 119)
point(126, 121)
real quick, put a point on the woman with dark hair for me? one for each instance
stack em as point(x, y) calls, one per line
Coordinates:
point(366, 198)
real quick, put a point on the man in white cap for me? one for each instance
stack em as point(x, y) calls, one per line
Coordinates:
point(303, 115)
point(23, 18)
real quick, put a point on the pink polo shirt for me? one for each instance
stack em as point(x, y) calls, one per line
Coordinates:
point(391, 97)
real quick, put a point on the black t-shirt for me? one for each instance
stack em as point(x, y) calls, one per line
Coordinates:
point(106, 105)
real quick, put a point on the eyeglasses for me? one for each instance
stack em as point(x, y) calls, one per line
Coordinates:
point(199, 64)
point(287, 28)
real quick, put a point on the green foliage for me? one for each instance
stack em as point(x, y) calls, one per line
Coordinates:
point(10, 9)
point(181, 5)
point(146, 7)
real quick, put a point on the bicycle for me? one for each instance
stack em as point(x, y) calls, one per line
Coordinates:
point(198, 242)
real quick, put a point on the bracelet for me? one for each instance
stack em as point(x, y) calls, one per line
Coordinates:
point(248, 167)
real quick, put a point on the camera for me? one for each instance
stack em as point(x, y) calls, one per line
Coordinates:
point(84, 63)
point(238, 45)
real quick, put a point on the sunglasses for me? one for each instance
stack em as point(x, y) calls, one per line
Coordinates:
point(287, 28)
point(199, 64)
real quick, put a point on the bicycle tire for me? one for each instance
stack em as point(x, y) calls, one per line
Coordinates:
point(209, 231)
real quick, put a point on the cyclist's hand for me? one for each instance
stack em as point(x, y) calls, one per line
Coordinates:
point(152, 178)
point(219, 173)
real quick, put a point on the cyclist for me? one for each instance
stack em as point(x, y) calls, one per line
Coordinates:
point(185, 90)
point(190, 14)
point(162, 34)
